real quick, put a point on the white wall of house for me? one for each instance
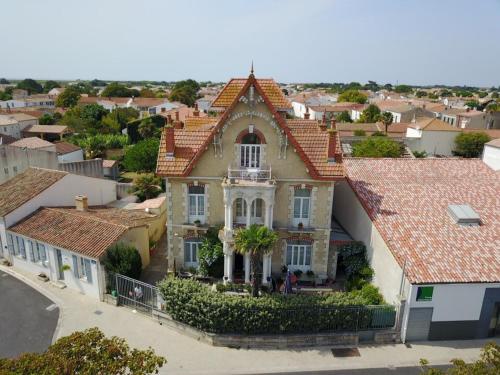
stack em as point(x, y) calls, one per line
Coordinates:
point(453, 302)
point(491, 156)
point(71, 156)
point(299, 109)
point(432, 142)
point(12, 130)
point(396, 117)
point(351, 215)
point(355, 114)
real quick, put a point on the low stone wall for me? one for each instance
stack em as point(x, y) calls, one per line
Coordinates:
point(341, 339)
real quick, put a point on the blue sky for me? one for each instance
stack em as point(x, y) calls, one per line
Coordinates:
point(405, 41)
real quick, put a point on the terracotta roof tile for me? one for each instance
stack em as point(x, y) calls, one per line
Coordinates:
point(32, 142)
point(88, 233)
point(233, 87)
point(407, 199)
point(63, 148)
point(25, 186)
point(52, 129)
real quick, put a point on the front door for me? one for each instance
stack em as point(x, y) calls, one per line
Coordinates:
point(494, 330)
point(60, 270)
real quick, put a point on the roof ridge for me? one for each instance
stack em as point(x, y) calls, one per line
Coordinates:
point(74, 213)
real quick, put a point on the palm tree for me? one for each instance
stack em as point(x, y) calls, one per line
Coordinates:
point(146, 186)
point(255, 241)
point(147, 128)
point(386, 119)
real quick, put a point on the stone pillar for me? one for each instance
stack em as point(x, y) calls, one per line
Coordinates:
point(269, 216)
point(230, 216)
point(249, 213)
point(228, 263)
point(266, 263)
point(247, 268)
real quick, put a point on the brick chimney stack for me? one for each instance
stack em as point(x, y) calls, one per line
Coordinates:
point(169, 140)
point(333, 123)
point(307, 115)
point(81, 203)
point(177, 123)
point(169, 118)
point(332, 145)
point(196, 112)
point(323, 123)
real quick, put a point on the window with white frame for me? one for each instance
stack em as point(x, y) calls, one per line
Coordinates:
point(38, 253)
point(196, 199)
point(298, 255)
point(191, 252)
point(250, 151)
point(240, 211)
point(20, 247)
point(82, 268)
point(10, 244)
point(301, 206)
point(256, 211)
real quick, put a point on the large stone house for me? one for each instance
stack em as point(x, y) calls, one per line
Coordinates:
point(251, 165)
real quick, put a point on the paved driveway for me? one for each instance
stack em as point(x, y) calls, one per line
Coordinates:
point(26, 325)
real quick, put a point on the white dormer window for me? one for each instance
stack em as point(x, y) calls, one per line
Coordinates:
point(250, 151)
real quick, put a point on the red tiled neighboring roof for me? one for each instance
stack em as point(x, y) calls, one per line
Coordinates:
point(108, 163)
point(184, 112)
point(190, 145)
point(48, 129)
point(89, 233)
point(32, 142)
point(95, 99)
point(337, 107)
point(148, 102)
point(25, 186)
point(63, 148)
point(433, 124)
point(198, 122)
point(234, 86)
point(407, 200)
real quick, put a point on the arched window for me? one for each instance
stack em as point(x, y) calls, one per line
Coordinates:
point(250, 151)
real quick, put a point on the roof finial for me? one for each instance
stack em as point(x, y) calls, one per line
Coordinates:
point(251, 69)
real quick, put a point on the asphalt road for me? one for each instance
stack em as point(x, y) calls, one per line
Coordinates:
point(369, 371)
point(25, 323)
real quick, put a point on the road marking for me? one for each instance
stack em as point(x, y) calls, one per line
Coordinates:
point(51, 307)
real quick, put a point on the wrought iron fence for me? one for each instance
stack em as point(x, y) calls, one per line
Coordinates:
point(136, 294)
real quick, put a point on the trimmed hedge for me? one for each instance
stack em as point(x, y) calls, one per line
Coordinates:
point(193, 303)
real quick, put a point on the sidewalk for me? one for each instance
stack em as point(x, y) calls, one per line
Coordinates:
point(188, 356)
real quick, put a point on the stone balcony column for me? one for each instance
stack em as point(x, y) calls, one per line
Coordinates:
point(228, 263)
point(249, 213)
point(268, 221)
point(266, 268)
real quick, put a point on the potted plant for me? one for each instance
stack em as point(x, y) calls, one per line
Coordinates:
point(298, 273)
point(301, 226)
point(43, 277)
point(284, 269)
point(310, 273)
point(65, 267)
point(197, 223)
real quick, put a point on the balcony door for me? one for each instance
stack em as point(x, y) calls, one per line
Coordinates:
point(250, 151)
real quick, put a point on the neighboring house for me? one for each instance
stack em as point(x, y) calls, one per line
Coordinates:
point(205, 103)
point(32, 101)
point(402, 111)
point(109, 103)
point(146, 106)
point(34, 143)
point(317, 111)
point(110, 169)
point(56, 91)
point(68, 152)
point(47, 132)
point(268, 156)
point(180, 114)
point(155, 206)
point(439, 261)
point(479, 120)
point(300, 103)
point(12, 124)
point(6, 139)
point(491, 154)
point(15, 160)
point(433, 136)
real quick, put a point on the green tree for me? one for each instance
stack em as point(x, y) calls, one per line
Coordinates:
point(142, 156)
point(92, 114)
point(370, 114)
point(49, 85)
point(386, 119)
point(433, 95)
point(470, 145)
point(377, 147)
point(147, 128)
point(97, 83)
point(372, 85)
point(255, 241)
point(118, 118)
point(123, 259)
point(86, 352)
point(472, 103)
point(4, 95)
point(493, 107)
point(147, 93)
point(482, 94)
point(32, 86)
point(445, 93)
point(487, 364)
point(147, 186)
point(185, 92)
point(210, 254)
point(420, 93)
point(353, 96)
point(403, 89)
point(495, 95)
point(119, 90)
point(69, 97)
point(344, 117)
point(46, 119)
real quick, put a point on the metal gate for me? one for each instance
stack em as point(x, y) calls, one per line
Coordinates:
point(136, 294)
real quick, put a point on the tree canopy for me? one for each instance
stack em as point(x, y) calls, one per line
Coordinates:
point(403, 89)
point(49, 85)
point(386, 119)
point(86, 352)
point(370, 114)
point(123, 259)
point(142, 156)
point(46, 119)
point(146, 186)
point(97, 83)
point(377, 147)
point(69, 97)
point(32, 86)
point(343, 117)
point(185, 92)
point(353, 96)
point(119, 90)
point(470, 145)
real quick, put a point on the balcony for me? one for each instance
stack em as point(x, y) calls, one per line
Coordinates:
point(238, 174)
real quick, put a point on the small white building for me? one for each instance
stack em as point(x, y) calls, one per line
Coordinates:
point(68, 152)
point(431, 135)
point(491, 154)
point(13, 124)
point(439, 262)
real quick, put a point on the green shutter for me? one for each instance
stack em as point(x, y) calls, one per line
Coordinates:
point(424, 293)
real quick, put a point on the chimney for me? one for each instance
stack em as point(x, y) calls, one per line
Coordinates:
point(196, 113)
point(332, 145)
point(163, 109)
point(81, 203)
point(176, 115)
point(177, 123)
point(323, 123)
point(170, 141)
point(306, 115)
point(169, 118)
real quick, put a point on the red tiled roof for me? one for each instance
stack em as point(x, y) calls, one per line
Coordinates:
point(407, 200)
point(184, 112)
point(234, 86)
point(88, 233)
point(32, 142)
point(63, 148)
point(311, 145)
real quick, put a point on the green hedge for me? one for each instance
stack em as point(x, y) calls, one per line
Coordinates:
point(193, 303)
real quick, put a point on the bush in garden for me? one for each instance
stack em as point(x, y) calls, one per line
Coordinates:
point(123, 259)
point(210, 255)
point(192, 303)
